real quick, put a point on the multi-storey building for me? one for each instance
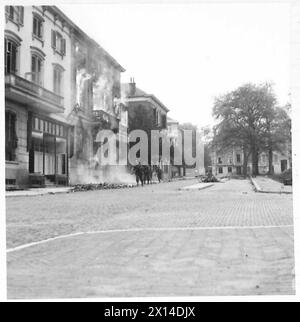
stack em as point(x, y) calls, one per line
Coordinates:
point(37, 94)
point(231, 162)
point(61, 87)
point(146, 112)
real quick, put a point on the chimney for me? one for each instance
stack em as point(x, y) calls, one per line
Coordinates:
point(132, 87)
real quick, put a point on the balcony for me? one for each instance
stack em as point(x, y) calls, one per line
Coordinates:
point(29, 93)
point(107, 120)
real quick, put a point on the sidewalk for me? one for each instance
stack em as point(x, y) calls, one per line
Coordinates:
point(267, 185)
point(37, 191)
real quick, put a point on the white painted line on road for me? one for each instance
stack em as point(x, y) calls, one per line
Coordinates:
point(11, 250)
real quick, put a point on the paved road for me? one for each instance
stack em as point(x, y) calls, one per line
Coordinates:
point(152, 241)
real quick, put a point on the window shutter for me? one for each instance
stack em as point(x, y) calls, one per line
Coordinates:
point(42, 29)
point(21, 15)
point(14, 59)
point(154, 116)
point(53, 39)
point(34, 26)
point(63, 46)
point(5, 48)
point(7, 10)
point(164, 121)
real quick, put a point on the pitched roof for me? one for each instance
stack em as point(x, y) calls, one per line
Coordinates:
point(141, 94)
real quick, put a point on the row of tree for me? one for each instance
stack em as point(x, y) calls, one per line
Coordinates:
point(249, 117)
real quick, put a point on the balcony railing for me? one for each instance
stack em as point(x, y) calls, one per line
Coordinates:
point(111, 121)
point(34, 89)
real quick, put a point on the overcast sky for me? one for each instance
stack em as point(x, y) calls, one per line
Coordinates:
point(186, 54)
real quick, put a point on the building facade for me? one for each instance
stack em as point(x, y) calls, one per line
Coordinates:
point(61, 88)
point(231, 162)
point(37, 95)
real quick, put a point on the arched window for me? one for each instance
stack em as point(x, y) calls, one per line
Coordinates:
point(11, 52)
point(38, 26)
point(37, 61)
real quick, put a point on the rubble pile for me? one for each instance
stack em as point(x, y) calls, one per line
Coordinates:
point(100, 186)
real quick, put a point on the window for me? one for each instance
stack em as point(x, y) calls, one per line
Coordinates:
point(11, 54)
point(15, 14)
point(40, 125)
point(220, 160)
point(58, 79)
point(220, 170)
point(58, 43)
point(38, 26)
point(164, 121)
point(11, 140)
point(36, 69)
point(229, 169)
point(238, 158)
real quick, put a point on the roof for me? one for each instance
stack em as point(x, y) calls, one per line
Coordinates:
point(140, 94)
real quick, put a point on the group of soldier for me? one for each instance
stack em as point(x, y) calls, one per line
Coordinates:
point(144, 173)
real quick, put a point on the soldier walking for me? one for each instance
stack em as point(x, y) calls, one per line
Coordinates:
point(138, 171)
point(159, 174)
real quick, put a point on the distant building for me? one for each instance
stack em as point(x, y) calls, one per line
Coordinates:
point(145, 112)
point(174, 134)
point(231, 162)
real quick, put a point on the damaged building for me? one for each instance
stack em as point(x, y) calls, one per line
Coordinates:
point(61, 89)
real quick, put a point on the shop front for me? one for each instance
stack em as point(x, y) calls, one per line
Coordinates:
point(48, 151)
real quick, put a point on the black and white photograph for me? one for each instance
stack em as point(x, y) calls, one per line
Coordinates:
point(150, 151)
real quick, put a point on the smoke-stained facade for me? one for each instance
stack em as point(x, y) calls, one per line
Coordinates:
point(97, 104)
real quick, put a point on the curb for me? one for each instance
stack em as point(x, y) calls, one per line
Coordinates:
point(37, 194)
point(258, 189)
point(190, 188)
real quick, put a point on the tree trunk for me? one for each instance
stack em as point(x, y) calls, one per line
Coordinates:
point(255, 169)
point(245, 163)
point(271, 169)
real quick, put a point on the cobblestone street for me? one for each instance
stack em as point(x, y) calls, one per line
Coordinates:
point(152, 241)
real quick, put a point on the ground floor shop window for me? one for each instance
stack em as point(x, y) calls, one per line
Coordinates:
point(48, 154)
